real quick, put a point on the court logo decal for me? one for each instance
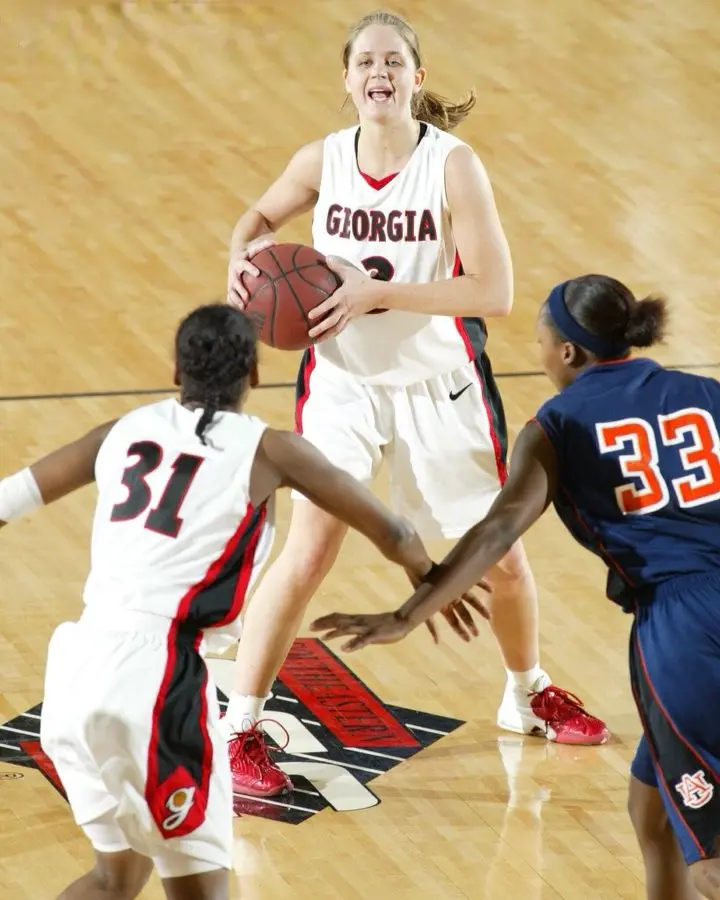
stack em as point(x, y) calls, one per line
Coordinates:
point(341, 736)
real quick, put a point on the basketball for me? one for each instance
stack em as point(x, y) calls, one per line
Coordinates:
point(293, 280)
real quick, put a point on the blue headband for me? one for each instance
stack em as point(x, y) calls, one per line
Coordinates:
point(574, 331)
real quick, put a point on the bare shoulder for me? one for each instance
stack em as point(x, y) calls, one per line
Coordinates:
point(306, 164)
point(464, 167)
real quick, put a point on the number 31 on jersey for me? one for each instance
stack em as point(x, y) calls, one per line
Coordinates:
point(635, 443)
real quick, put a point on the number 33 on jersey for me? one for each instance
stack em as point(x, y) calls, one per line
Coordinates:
point(692, 431)
point(638, 475)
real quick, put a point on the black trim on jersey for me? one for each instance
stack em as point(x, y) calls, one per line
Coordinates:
point(219, 597)
point(495, 407)
point(476, 335)
point(181, 716)
point(302, 386)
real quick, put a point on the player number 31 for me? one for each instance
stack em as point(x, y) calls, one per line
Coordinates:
point(634, 440)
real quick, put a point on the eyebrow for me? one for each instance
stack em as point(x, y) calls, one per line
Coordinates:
point(383, 53)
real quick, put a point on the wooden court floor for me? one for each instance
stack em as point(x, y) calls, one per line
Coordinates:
point(133, 135)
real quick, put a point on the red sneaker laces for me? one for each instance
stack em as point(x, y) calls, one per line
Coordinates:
point(555, 704)
point(251, 744)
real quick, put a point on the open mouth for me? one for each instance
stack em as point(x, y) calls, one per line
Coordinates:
point(380, 95)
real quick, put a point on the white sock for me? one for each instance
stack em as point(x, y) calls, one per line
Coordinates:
point(527, 681)
point(243, 713)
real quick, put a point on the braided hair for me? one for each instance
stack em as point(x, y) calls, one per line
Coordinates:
point(216, 350)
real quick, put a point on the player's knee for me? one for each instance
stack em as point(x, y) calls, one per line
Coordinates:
point(121, 876)
point(513, 568)
point(308, 564)
point(706, 877)
point(312, 546)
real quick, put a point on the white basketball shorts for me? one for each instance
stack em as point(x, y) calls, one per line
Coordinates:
point(444, 440)
point(130, 720)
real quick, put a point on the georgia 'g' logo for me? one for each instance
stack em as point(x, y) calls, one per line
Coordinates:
point(179, 804)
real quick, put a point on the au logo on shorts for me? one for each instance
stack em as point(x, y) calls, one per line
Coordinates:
point(695, 790)
point(341, 738)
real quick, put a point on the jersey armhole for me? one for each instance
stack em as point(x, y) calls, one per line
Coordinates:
point(459, 143)
point(244, 471)
point(102, 449)
point(543, 431)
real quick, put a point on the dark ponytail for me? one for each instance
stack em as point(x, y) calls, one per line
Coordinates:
point(216, 350)
point(646, 324)
point(609, 310)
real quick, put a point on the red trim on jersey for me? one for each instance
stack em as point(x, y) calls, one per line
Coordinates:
point(158, 795)
point(378, 183)
point(494, 437)
point(299, 406)
point(612, 362)
point(459, 324)
point(457, 266)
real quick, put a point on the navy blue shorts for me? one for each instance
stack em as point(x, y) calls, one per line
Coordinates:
point(675, 673)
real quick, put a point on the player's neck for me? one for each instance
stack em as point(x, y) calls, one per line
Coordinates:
point(384, 149)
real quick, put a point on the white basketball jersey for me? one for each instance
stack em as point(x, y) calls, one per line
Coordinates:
point(401, 227)
point(175, 534)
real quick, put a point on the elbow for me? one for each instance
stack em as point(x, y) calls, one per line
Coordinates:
point(402, 544)
point(494, 297)
point(503, 294)
point(504, 307)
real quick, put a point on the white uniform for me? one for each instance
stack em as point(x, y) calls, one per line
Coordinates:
point(130, 717)
point(416, 390)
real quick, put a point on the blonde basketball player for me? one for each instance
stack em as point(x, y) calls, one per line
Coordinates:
point(183, 524)
point(399, 372)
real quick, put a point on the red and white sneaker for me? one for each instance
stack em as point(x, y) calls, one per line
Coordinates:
point(253, 771)
point(551, 712)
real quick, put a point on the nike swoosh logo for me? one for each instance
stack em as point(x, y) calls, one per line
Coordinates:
point(454, 395)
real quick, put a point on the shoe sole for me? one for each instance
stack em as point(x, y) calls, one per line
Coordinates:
point(578, 740)
point(248, 792)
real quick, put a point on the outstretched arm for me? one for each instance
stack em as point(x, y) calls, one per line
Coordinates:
point(527, 493)
point(288, 460)
point(55, 475)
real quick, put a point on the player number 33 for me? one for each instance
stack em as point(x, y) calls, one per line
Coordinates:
point(693, 431)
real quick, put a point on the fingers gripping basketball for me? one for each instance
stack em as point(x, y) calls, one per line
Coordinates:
point(293, 280)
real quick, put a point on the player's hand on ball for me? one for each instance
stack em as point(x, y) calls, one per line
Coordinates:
point(380, 628)
point(240, 264)
point(358, 294)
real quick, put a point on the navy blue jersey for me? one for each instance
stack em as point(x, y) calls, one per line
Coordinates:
point(638, 459)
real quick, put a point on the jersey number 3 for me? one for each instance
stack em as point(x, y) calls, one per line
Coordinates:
point(634, 440)
point(164, 517)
